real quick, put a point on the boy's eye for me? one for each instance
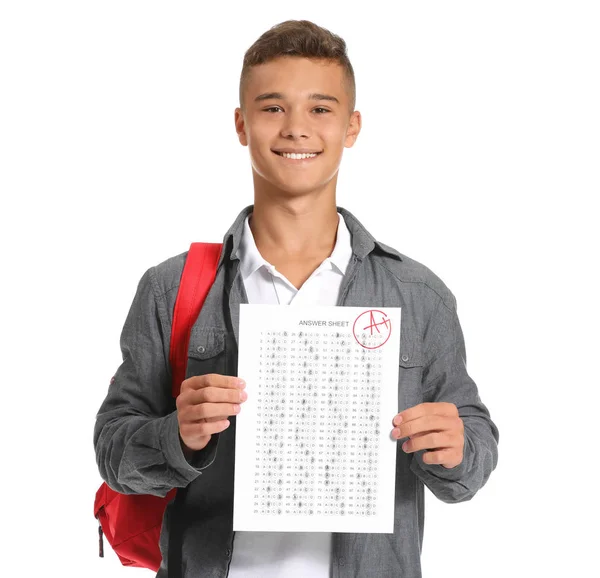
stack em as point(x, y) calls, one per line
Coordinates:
point(276, 108)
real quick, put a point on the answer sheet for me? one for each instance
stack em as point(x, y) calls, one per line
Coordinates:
point(313, 445)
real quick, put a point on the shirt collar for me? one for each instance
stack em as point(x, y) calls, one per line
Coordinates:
point(251, 260)
point(342, 252)
point(362, 241)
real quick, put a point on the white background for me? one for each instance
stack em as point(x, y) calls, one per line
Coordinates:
point(479, 157)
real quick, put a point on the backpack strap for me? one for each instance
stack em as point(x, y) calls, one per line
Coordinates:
point(198, 275)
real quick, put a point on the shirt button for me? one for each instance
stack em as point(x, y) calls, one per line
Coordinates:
point(200, 349)
point(342, 562)
point(405, 357)
point(228, 552)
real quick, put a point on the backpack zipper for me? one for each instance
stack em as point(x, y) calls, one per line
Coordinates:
point(100, 542)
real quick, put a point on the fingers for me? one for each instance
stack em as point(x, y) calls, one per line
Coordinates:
point(216, 395)
point(203, 405)
point(212, 380)
point(195, 436)
point(203, 411)
point(429, 408)
point(442, 457)
point(430, 441)
point(434, 427)
point(424, 424)
point(213, 389)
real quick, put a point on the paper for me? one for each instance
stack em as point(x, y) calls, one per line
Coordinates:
point(313, 444)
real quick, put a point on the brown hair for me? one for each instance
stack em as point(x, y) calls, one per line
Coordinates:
point(299, 38)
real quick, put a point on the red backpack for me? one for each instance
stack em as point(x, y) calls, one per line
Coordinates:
point(132, 522)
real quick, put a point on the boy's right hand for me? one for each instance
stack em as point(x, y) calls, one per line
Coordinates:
point(203, 405)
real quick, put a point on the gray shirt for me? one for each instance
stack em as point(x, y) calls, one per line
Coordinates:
point(136, 436)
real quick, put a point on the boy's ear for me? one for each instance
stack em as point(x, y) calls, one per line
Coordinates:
point(240, 127)
point(354, 127)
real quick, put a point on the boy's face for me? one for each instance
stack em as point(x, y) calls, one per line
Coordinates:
point(285, 110)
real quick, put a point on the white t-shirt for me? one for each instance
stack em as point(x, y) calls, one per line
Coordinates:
point(287, 554)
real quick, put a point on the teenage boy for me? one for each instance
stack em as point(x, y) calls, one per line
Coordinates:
point(293, 245)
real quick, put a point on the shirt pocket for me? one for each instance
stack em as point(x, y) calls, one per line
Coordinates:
point(410, 371)
point(207, 352)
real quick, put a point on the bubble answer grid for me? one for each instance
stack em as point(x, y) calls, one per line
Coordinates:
point(313, 450)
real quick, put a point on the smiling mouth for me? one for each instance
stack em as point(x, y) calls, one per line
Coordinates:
point(298, 157)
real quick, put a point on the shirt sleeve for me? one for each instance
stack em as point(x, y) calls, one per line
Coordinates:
point(136, 434)
point(445, 379)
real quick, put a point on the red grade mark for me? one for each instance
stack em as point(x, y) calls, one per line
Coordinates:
point(372, 320)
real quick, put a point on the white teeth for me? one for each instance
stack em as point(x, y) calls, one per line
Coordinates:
point(298, 155)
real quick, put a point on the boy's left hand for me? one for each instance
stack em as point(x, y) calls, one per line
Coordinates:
point(432, 426)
